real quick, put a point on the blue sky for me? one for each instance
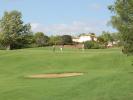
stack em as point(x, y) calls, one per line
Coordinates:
point(62, 16)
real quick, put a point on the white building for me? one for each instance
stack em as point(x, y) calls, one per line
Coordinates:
point(84, 38)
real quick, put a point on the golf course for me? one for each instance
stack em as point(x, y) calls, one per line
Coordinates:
point(107, 74)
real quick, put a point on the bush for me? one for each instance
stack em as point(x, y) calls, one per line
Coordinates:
point(92, 45)
point(88, 45)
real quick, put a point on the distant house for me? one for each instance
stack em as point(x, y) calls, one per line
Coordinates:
point(84, 38)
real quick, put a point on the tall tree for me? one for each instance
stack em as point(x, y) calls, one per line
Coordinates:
point(41, 39)
point(123, 22)
point(105, 38)
point(13, 31)
point(66, 39)
point(55, 40)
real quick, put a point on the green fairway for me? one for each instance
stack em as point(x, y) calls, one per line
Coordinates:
point(108, 75)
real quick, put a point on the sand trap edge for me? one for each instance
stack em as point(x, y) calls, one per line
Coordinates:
point(60, 75)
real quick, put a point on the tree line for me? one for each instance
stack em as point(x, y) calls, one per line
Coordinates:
point(14, 34)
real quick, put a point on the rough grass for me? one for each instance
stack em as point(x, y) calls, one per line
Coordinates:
point(108, 75)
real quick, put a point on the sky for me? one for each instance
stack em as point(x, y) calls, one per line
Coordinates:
point(62, 16)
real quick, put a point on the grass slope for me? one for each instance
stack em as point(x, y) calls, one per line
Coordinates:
point(108, 75)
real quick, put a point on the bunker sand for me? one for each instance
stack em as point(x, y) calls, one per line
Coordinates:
point(60, 75)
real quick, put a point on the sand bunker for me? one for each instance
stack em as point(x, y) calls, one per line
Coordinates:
point(60, 75)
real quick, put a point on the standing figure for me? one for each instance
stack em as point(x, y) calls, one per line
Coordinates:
point(61, 48)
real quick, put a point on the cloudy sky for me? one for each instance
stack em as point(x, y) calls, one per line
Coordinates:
point(62, 16)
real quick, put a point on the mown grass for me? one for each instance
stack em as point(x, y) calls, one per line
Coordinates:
point(108, 75)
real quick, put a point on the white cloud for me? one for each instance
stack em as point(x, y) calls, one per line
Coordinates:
point(72, 28)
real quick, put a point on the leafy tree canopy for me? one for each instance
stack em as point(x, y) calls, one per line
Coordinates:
point(41, 39)
point(123, 22)
point(13, 30)
point(66, 39)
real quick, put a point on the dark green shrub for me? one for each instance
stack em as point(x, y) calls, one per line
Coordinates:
point(88, 45)
point(66, 39)
point(92, 45)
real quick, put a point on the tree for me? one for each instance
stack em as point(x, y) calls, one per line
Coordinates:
point(41, 39)
point(116, 36)
point(13, 31)
point(101, 40)
point(105, 38)
point(66, 39)
point(55, 40)
point(92, 35)
point(123, 22)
